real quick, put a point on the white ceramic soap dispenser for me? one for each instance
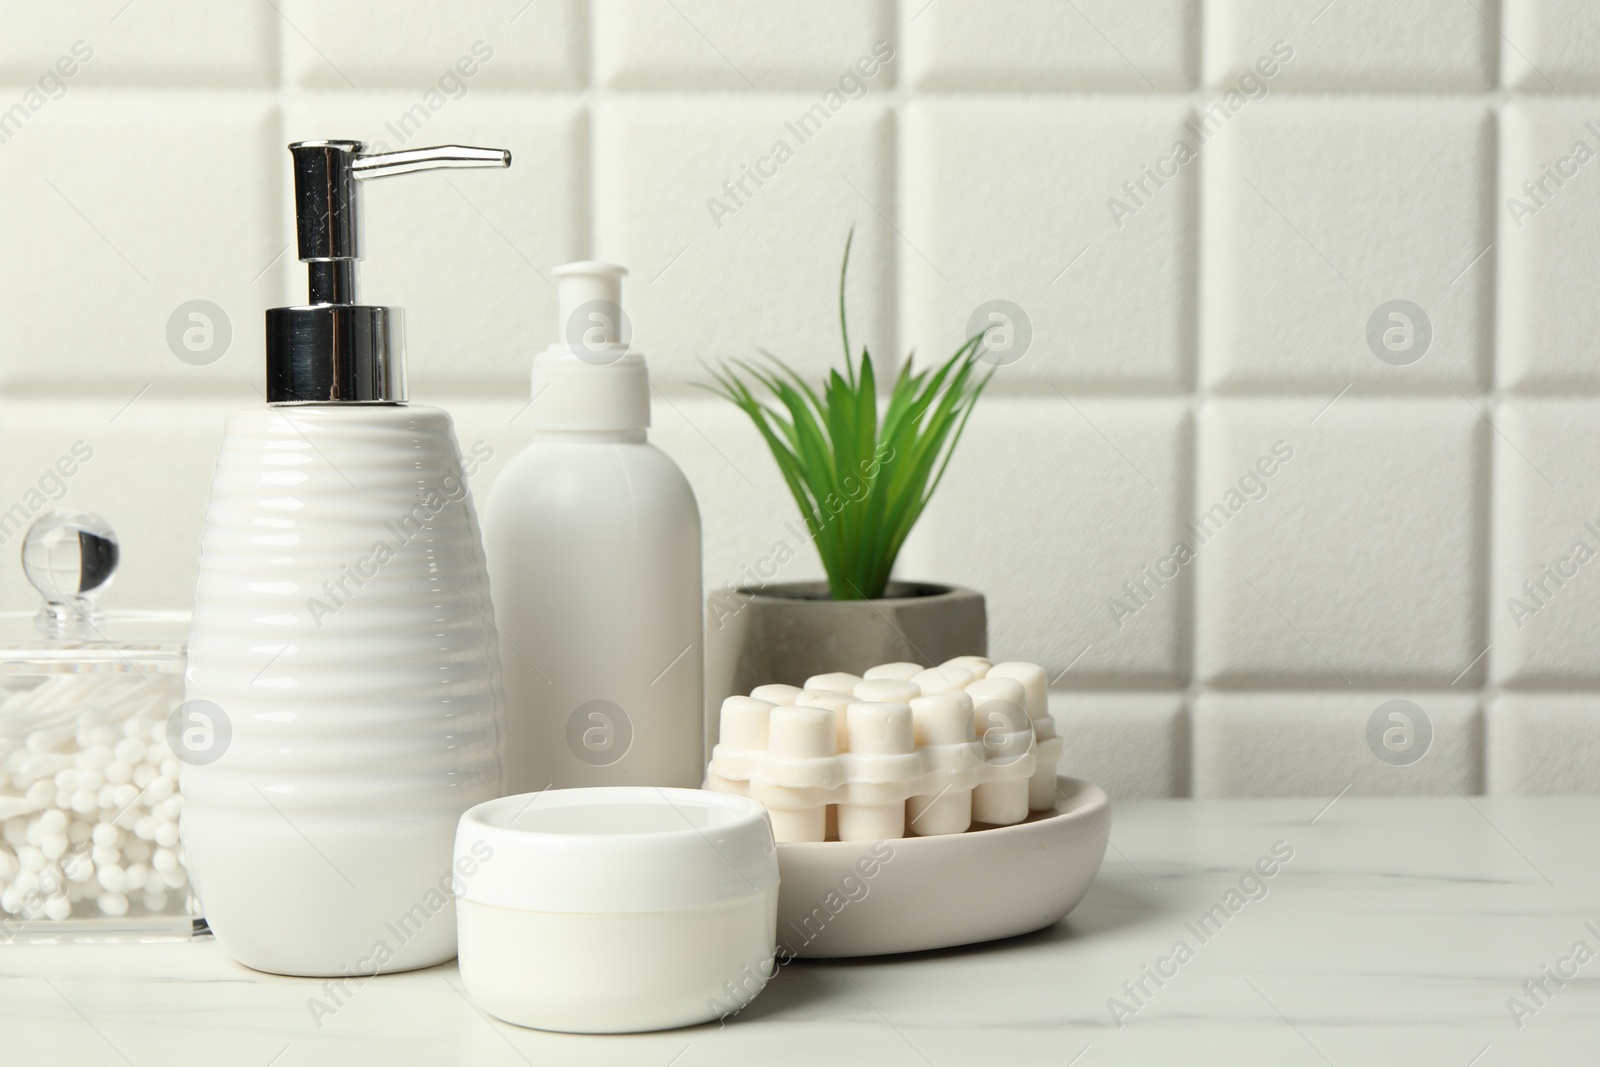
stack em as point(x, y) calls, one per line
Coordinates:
point(342, 649)
point(593, 539)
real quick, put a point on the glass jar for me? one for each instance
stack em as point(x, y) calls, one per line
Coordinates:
point(89, 799)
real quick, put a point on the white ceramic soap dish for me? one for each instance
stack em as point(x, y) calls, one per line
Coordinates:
point(860, 898)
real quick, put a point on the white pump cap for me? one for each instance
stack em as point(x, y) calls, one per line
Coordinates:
point(589, 281)
point(589, 380)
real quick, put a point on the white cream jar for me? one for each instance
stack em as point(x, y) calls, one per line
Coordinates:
point(619, 909)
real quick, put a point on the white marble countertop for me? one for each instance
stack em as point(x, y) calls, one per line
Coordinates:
point(1397, 934)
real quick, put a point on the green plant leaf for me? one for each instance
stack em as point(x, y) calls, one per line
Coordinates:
point(861, 481)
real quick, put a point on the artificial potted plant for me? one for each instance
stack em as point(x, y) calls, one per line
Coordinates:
point(861, 469)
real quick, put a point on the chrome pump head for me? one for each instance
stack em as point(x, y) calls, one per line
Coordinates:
point(334, 350)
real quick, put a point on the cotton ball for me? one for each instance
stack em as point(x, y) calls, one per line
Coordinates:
point(54, 846)
point(169, 809)
point(129, 750)
point(102, 735)
point(164, 860)
point(35, 832)
point(53, 822)
point(91, 780)
point(107, 835)
point(123, 795)
point(112, 879)
point(105, 795)
point(41, 792)
point(114, 904)
point(51, 881)
point(58, 908)
point(155, 899)
point(86, 801)
point(176, 878)
point(26, 881)
point(78, 868)
point(144, 774)
point(66, 780)
point(11, 899)
point(135, 876)
point(161, 789)
point(118, 772)
point(95, 757)
point(145, 827)
point(167, 834)
point(135, 728)
point(105, 856)
point(31, 858)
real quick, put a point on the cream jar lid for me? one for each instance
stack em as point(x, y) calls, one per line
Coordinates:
point(614, 849)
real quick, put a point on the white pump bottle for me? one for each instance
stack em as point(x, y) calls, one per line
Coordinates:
point(593, 541)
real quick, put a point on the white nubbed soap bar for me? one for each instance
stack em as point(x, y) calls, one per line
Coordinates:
point(942, 679)
point(1007, 734)
point(834, 702)
point(976, 664)
point(877, 729)
point(887, 691)
point(837, 682)
point(898, 672)
point(801, 733)
point(902, 750)
point(745, 722)
point(1036, 684)
point(776, 693)
point(943, 721)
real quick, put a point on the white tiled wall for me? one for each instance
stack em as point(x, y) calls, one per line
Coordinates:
point(1354, 531)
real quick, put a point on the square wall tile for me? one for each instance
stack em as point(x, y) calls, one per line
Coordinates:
point(466, 253)
point(150, 43)
point(1347, 243)
point(1132, 745)
point(1544, 745)
point(1549, 221)
point(1352, 44)
point(1340, 545)
point(1551, 45)
point(732, 212)
point(141, 229)
point(1078, 223)
point(1065, 513)
point(1544, 605)
point(145, 467)
point(435, 51)
point(1319, 744)
point(1143, 45)
point(726, 44)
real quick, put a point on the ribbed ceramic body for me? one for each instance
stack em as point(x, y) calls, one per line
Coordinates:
point(342, 627)
point(594, 551)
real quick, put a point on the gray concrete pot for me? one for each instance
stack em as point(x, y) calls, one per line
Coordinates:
point(788, 631)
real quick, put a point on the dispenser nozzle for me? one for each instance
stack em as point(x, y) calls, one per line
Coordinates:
point(336, 350)
point(327, 205)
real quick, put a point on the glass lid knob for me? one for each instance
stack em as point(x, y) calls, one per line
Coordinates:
point(69, 557)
